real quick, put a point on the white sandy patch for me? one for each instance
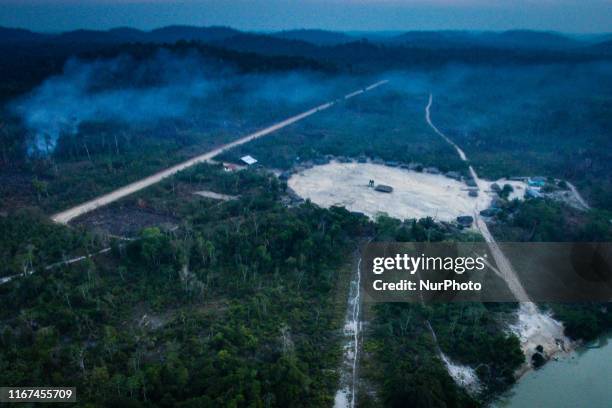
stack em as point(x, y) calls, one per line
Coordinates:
point(535, 328)
point(346, 396)
point(341, 400)
point(415, 195)
point(418, 195)
point(215, 196)
point(464, 376)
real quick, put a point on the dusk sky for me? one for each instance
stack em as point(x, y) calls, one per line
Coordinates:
point(573, 16)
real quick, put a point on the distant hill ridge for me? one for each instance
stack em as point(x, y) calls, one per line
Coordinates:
point(504, 39)
point(319, 37)
point(122, 34)
point(219, 35)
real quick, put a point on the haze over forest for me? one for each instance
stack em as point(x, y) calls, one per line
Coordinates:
point(147, 260)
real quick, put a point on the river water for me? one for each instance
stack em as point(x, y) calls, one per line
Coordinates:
point(580, 379)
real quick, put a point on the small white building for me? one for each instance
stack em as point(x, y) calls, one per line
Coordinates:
point(250, 160)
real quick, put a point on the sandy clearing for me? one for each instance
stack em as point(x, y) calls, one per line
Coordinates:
point(415, 195)
point(463, 375)
point(536, 328)
point(215, 196)
point(581, 202)
point(418, 195)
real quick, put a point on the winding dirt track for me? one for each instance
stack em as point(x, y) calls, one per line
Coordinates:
point(533, 327)
point(70, 261)
point(66, 216)
point(581, 201)
point(503, 264)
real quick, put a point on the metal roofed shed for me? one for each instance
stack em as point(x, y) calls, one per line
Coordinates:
point(536, 181)
point(250, 160)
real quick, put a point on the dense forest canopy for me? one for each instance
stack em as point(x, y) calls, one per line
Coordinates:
point(179, 299)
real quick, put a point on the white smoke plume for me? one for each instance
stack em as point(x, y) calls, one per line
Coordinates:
point(132, 91)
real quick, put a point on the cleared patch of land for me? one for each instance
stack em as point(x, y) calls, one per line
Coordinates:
point(415, 195)
point(124, 221)
point(215, 196)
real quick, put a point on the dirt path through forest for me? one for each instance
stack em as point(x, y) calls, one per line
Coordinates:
point(67, 215)
point(532, 327)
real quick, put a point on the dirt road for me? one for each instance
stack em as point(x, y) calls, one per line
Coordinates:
point(532, 327)
point(67, 215)
point(435, 129)
point(503, 264)
point(581, 201)
point(70, 261)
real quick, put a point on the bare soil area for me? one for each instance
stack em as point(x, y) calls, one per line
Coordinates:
point(124, 221)
point(415, 195)
point(215, 196)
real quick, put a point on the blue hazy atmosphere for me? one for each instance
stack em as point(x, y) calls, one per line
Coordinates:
point(193, 195)
point(570, 16)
